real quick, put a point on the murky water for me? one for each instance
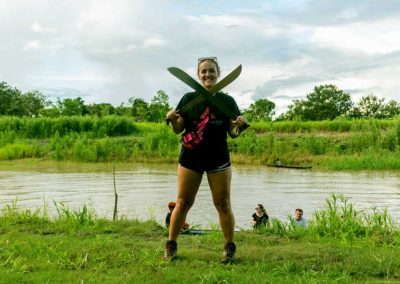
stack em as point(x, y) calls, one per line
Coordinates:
point(145, 189)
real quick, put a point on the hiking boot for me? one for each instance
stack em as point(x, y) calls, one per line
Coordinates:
point(170, 250)
point(229, 253)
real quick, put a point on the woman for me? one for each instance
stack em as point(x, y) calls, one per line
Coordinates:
point(204, 149)
point(260, 218)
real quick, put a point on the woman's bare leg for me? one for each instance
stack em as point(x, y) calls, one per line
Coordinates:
point(220, 184)
point(188, 185)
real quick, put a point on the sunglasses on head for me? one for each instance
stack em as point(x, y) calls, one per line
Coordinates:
point(213, 58)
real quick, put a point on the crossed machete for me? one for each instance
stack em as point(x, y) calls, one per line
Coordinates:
point(208, 95)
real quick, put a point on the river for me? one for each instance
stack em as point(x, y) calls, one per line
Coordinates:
point(145, 189)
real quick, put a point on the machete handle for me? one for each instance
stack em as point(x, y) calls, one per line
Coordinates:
point(244, 127)
point(167, 120)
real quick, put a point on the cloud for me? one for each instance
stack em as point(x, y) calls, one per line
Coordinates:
point(112, 50)
point(369, 38)
point(38, 28)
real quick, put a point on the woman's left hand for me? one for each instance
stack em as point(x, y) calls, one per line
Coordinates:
point(235, 125)
point(240, 121)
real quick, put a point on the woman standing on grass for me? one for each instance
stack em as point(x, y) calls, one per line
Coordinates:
point(204, 149)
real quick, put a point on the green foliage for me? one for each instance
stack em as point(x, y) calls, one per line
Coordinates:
point(341, 244)
point(44, 127)
point(316, 146)
point(372, 107)
point(338, 144)
point(158, 107)
point(14, 102)
point(102, 109)
point(340, 219)
point(21, 151)
point(260, 110)
point(391, 109)
point(78, 217)
point(140, 109)
point(71, 107)
point(325, 102)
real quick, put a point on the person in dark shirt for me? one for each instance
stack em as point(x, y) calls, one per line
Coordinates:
point(260, 218)
point(171, 206)
point(205, 149)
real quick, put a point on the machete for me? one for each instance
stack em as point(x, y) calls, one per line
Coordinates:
point(219, 86)
point(208, 95)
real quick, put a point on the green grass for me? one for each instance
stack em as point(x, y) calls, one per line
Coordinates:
point(341, 245)
point(331, 145)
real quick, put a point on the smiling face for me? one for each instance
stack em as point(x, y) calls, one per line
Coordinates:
point(208, 73)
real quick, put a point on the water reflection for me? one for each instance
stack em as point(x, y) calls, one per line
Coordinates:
point(145, 189)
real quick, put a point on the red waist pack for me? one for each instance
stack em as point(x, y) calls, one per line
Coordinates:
point(193, 139)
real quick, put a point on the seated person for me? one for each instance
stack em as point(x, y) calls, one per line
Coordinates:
point(277, 163)
point(171, 206)
point(298, 219)
point(260, 218)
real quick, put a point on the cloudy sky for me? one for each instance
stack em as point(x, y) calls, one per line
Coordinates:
point(111, 50)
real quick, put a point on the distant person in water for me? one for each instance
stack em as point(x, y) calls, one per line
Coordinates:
point(260, 217)
point(277, 163)
point(298, 219)
point(171, 206)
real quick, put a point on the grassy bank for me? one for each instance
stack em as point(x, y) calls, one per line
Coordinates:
point(332, 145)
point(341, 244)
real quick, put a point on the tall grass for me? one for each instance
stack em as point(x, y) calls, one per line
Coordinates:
point(341, 219)
point(341, 245)
point(338, 144)
point(337, 125)
point(78, 217)
point(44, 127)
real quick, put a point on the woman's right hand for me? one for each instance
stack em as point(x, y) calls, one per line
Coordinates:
point(177, 121)
point(172, 115)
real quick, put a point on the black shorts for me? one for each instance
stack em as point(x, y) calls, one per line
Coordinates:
point(209, 170)
point(201, 162)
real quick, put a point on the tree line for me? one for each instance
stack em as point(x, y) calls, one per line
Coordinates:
point(325, 102)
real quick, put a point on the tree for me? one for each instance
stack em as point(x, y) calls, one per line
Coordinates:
point(14, 102)
point(123, 110)
point(50, 111)
point(391, 109)
point(140, 109)
point(325, 102)
point(260, 110)
point(71, 107)
point(9, 98)
point(101, 109)
point(33, 102)
point(159, 107)
point(371, 107)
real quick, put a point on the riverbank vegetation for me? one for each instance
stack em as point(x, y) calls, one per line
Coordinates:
point(341, 244)
point(325, 102)
point(339, 144)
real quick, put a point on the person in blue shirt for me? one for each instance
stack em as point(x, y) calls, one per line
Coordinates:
point(298, 219)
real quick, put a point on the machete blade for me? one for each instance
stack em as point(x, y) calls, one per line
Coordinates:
point(213, 100)
point(219, 86)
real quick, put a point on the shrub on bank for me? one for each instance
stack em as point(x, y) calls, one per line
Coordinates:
point(322, 144)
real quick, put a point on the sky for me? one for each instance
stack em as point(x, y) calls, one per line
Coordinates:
point(112, 50)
